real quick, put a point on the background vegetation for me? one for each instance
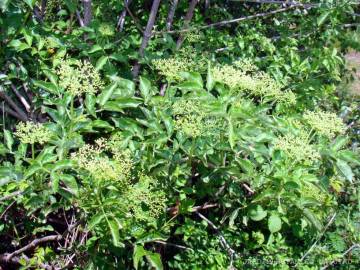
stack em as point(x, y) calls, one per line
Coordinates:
point(179, 134)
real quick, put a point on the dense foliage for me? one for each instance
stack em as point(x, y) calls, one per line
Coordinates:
point(188, 144)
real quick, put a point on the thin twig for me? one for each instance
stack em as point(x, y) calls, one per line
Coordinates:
point(232, 254)
point(7, 209)
point(317, 240)
point(33, 244)
point(172, 245)
point(222, 23)
point(136, 21)
point(355, 246)
point(11, 195)
point(21, 98)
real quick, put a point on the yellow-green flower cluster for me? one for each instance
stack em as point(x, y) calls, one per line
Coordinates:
point(187, 60)
point(144, 192)
point(79, 77)
point(297, 148)
point(310, 190)
point(92, 159)
point(243, 76)
point(325, 123)
point(106, 29)
point(30, 132)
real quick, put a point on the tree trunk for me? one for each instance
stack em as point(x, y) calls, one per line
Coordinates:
point(87, 12)
point(121, 21)
point(171, 14)
point(188, 17)
point(147, 35)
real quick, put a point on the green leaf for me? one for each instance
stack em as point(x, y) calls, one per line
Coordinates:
point(257, 213)
point(349, 156)
point(139, 252)
point(70, 5)
point(114, 229)
point(119, 104)
point(95, 220)
point(32, 170)
point(30, 3)
point(210, 82)
point(125, 89)
point(322, 18)
point(274, 223)
point(345, 169)
point(90, 102)
point(313, 219)
point(106, 94)
point(145, 88)
point(155, 260)
point(101, 62)
point(231, 134)
point(70, 183)
point(48, 86)
point(9, 141)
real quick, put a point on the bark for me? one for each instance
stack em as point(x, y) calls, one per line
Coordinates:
point(13, 105)
point(121, 21)
point(207, 4)
point(188, 17)
point(87, 12)
point(147, 35)
point(171, 14)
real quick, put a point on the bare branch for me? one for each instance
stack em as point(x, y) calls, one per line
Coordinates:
point(222, 23)
point(171, 14)
point(121, 20)
point(172, 245)
point(147, 35)
point(33, 244)
point(11, 195)
point(4, 96)
point(21, 98)
point(355, 246)
point(188, 17)
point(87, 12)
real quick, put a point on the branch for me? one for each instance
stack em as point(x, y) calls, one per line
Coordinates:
point(16, 260)
point(223, 242)
point(355, 246)
point(147, 35)
point(87, 12)
point(21, 98)
point(12, 113)
point(33, 244)
point(121, 20)
point(172, 245)
point(4, 96)
point(188, 17)
point(317, 240)
point(11, 195)
point(171, 14)
point(136, 21)
point(222, 23)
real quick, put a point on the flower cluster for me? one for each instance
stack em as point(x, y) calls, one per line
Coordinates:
point(186, 60)
point(106, 29)
point(243, 76)
point(312, 191)
point(79, 77)
point(297, 148)
point(30, 132)
point(145, 193)
point(325, 123)
point(100, 166)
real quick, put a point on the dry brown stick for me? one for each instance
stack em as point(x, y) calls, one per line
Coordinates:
point(171, 14)
point(32, 245)
point(21, 98)
point(147, 35)
point(222, 23)
point(187, 20)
